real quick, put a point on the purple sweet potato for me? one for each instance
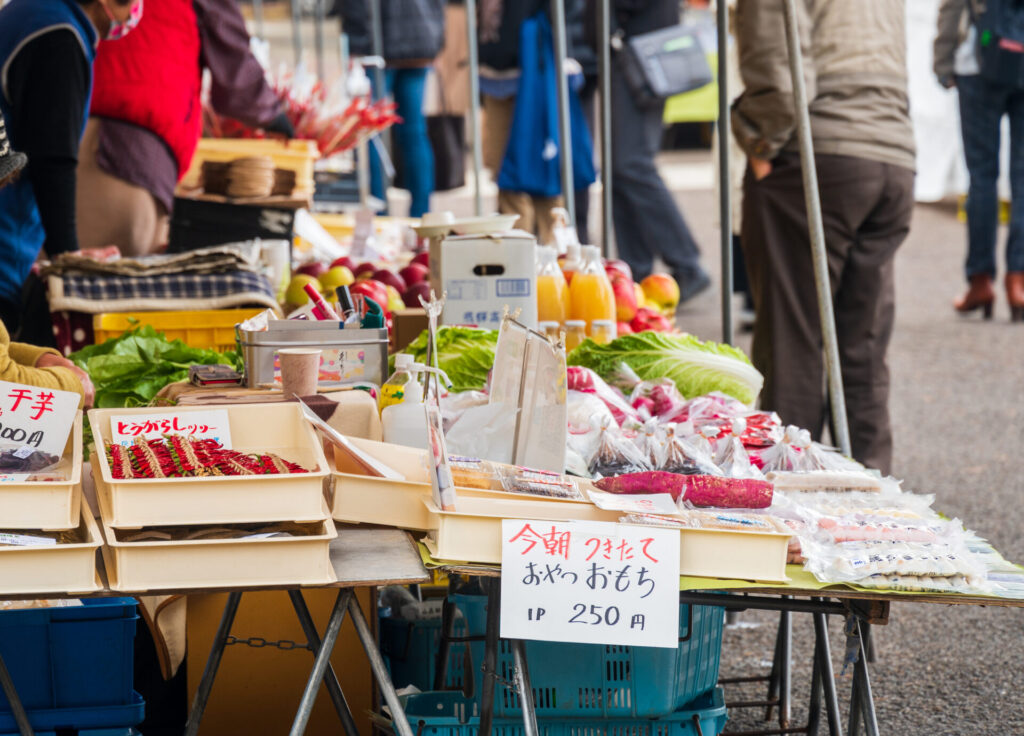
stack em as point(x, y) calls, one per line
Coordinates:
point(728, 493)
point(652, 481)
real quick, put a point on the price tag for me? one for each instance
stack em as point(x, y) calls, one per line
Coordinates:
point(643, 503)
point(205, 425)
point(37, 418)
point(591, 583)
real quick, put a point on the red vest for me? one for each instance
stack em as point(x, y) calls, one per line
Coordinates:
point(152, 77)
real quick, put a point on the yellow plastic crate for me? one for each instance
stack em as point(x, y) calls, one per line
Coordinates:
point(213, 329)
point(296, 155)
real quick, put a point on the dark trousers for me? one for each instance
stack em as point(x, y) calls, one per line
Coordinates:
point(647, 221)
point(982, 106)
point(866, 207)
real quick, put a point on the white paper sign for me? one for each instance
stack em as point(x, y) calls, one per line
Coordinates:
point(39, 418)
point(206, 425)
point(641, 503)
point(591, 583)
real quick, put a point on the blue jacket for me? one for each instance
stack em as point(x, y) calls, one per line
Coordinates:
point(21, 231)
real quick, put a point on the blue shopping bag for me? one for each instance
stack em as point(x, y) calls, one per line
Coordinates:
point(532, 156)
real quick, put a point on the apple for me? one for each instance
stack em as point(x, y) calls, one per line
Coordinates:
point(649, 319)
point(394, 299)
point(422, 259)
point(616, 266)
point(364, 268)
point(372, 289)
point(662, 290)
point(623, 328)
point(412, 295)
point(312, 268)
point(334, 277)
point(343, 261)
point(625, 297)
point(296, 292)
point(414, 273)
point(389, 278)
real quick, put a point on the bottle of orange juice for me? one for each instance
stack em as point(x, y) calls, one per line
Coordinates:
point(552, 291)
point(570, 263)
point(591, 292)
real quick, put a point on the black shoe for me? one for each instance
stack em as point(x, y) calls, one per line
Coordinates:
point(691, 284)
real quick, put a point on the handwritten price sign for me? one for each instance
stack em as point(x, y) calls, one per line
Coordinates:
point(40, 418)
point(591, 583)
point(213, 424)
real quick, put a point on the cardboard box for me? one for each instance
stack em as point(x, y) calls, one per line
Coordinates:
point(482, 274)
point(406, 326)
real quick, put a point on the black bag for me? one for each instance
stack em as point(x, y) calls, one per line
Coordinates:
point(1000, 30)
point(447, 135)
point(662, 63)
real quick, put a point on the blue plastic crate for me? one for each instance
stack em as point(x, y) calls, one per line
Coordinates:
point(113, 720)
point(78, 657)
point(411, 647)
point(449, 714)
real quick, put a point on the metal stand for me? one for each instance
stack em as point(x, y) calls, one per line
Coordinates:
point(564, 134)
point(227, 618)
point(321, 663)
point(17, 708)
point(474, 106)
point(296, 8)
point(724, 178)
point(862, 702)
point(319, 14)
point(604, 83)
point(380, 669)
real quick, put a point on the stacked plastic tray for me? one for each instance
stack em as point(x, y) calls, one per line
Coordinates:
point(197, 508)
point(641, 691)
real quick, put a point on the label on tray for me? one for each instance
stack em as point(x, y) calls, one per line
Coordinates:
point(26, 540)
point(590, 583)
point(14, 477)
point(203, 425)
point(36, 418)
point(641, 503)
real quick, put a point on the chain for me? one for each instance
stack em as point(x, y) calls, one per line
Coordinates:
point(258, 642)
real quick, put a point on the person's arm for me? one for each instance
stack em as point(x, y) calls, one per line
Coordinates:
point(48, 87)
point(763, 116)
point(951, 14)
point(238, 87)
point(33, 366)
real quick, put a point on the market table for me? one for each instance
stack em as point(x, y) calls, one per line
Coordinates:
point(360, 558)
point(803, 594)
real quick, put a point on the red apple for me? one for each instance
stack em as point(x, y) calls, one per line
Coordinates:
point(312, 268)
point(662, 290)
point(412, 295)
point(649, 319)
point(623, 328)
point(367, 268)
point(414, 273)
point(625, 297)
point(372, 289)
point(344, 261)
point(422, 258)
point(614, 265)
point(390, 278)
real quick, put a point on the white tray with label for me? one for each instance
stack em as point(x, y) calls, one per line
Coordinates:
point(60, 568)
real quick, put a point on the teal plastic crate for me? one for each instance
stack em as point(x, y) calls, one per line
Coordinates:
point(449, 714)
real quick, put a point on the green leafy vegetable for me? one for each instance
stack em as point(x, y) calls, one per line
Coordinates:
point(131, 369)
point(696, 367)
point(466, 354)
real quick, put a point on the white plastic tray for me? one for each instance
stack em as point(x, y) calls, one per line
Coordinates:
point(47, 505)
point(63, 568)
point(216, 563)
point(278, 428)
point(719, 553)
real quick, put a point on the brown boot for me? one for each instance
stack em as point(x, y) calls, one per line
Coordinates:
point(980, 295)
point(1015, 295)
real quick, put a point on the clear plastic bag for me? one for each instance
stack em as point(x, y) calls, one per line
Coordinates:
point(789, 453)
point(830, 480)
point(588, 382)
point(850, 562)
point(661, 399)
point(616, 454)
point(652, 445)
point(683, 456)
point(731, 456)
point(586, 414)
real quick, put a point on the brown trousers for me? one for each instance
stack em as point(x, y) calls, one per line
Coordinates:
point(866, 208)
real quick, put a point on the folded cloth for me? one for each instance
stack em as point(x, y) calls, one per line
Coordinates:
point(165, 616)
point(230, 257)
point(96, 293)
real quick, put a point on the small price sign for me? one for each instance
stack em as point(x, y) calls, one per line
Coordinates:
point(36, 418)
point(591, 583)
point(206, 425)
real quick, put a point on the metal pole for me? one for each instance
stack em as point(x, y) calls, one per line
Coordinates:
point(817, 232)
point(823, 654)
point(319, 14)
point(297, 30)
point(564, 137)
point(363, 172)
point(377, 45)
point(785, 671)
point(523, 687)
point(380, 669)
point(348, 723)
point(212, 664)
point(321, 663)
point(724, 179)
point(493, 587)
point(17, 707)
point(604, 82)
point(474, 106)
point(860, 674)
point(257, 14)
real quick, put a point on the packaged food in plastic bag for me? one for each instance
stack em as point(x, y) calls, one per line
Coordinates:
point(789, 453)
point(828, 480)
point(531, 482)
point(661, 399)
point(616, 454)
point(588, 382)
point(700, 490)
point(683, 456)
point(586, 414)
point(731, 456)
point(850, 562)
point(652, 444)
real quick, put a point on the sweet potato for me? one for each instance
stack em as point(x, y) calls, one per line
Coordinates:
point(700, 490)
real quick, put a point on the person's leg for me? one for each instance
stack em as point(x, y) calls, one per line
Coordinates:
point(639, 188)
point(588, 95)
point(377, 185)
point(411, 137)
point(518, 203)
point(865, 311)
point(981, 111)
point(1015, 242)
point(545, 219)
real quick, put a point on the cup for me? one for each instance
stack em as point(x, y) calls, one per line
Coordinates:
point(300, 371)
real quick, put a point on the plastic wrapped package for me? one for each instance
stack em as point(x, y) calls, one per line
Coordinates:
point(530, 482)
point(731, 456)
point(828, 480)
point(652, 445)
point(683, 456)
point(586, 415)
point(822, 457)
point(660, 399)
point(732, 520)
point(865, 506)
point(927, 584)
point(850, 562)
point(471, 472)
point(700, 490)
point(789, 453)
point(847, 529)
point(616, 454)
point(588, 382)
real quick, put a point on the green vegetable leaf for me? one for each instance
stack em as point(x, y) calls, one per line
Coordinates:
point(466, 354)
point(696, 367)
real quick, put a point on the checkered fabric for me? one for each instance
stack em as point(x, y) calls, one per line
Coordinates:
point(168, 286)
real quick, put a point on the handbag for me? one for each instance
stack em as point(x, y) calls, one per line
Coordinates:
point(662, 63)
point(532, 155)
